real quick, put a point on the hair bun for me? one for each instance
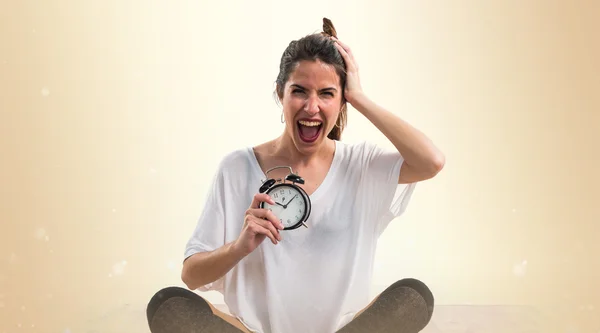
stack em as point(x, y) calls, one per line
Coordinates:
point(328, 28)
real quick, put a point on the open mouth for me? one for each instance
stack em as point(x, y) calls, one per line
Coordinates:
point(309, 131)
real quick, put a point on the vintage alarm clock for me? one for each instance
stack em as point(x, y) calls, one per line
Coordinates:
point(292, 204)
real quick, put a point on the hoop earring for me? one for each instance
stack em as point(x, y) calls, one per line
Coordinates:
point(282, 118)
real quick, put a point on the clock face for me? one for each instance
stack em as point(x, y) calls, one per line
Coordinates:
point(290, 204)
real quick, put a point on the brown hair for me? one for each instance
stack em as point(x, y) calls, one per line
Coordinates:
point(313, 47)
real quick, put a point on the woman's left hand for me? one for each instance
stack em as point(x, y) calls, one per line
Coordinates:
point(353, 88)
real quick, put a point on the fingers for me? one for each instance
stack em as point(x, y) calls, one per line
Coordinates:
point(346, 53)
point(261, 197)
point(266, 220)
point(263, 227)
point(344, 46)
point(266, 215)
point(263, 221)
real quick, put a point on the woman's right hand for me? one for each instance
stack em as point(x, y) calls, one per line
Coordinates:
point(258, 224)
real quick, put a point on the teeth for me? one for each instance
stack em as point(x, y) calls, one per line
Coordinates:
point(309, 123)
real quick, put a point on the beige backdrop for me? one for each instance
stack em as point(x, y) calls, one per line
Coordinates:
point(114, 114)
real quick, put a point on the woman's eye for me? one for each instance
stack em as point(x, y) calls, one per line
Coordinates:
point(300, 91)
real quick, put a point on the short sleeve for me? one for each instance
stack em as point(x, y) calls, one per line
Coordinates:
point(209, 233)
point(379, 184)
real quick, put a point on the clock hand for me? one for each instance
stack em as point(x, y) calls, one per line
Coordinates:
point(285, 206)
point(280, 204)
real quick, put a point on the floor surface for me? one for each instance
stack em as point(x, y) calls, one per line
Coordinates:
point(446, 319)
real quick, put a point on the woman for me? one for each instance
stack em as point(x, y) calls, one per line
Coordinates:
point(313, 279)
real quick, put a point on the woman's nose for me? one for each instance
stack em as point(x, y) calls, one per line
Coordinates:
point(312, 106)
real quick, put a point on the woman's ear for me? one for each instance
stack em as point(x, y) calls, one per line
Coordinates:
point(279, 90)
point(278, 95)
point(344, 105)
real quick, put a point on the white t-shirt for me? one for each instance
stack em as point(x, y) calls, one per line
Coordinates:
point(317, 278)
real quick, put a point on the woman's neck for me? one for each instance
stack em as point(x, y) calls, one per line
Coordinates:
point(285, 148)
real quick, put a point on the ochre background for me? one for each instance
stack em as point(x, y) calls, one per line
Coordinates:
point(114, 114)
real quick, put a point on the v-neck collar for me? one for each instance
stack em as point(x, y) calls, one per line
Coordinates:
point(320, 189)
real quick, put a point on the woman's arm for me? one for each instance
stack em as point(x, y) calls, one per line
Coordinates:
point(422, 160)
point(206, 267)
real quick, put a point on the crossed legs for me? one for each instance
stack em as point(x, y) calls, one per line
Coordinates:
point(404, 307)
point(178, 310)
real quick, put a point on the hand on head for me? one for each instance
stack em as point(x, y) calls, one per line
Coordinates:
point(353, 87)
